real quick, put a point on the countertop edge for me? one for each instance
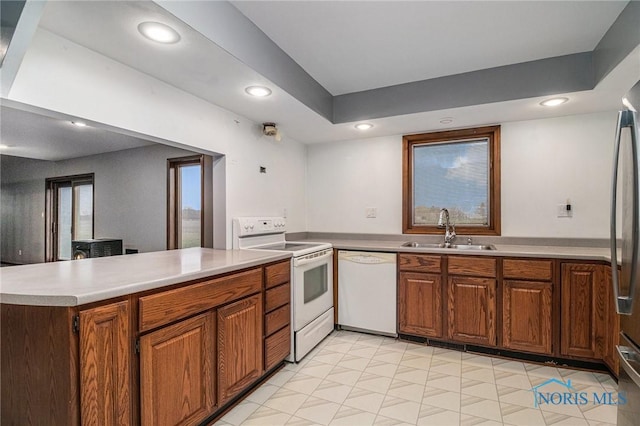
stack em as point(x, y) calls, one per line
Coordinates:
point(78, 299)
point(598, 254)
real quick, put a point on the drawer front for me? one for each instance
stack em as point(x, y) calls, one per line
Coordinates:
point(473, 266)
point(277, 347)
point(527, 269)
point(168, 306)
point(419, 263)
point(277, 319)
point(277, 274)
point(277, 297)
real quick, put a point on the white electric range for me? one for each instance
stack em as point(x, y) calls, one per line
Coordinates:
point(311, 278)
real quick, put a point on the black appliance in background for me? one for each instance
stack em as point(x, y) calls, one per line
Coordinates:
point(83, 249)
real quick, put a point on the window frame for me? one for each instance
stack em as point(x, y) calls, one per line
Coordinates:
point(174, 236)
point(492, 134)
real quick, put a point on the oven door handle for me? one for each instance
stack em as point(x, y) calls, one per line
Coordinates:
point(305, 260)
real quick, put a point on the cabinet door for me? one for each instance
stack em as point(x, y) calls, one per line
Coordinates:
point(177, 372)
point(105, 360)
point(239, 346)
point(583, 310)
point(472, 310)
point(420, 304)
point(526, 316)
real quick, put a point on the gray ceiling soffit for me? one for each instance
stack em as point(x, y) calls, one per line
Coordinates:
point(226, 26)
point(26, 26)
point(618, 42)
point(9, 16)
point(563, 74)
point(223, 24)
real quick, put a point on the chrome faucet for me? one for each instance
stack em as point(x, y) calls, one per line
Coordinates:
point(450, 229)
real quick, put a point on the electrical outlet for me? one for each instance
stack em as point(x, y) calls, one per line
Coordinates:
point(19, 252)
point(371, 212)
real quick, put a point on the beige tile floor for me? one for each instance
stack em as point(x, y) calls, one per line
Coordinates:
point(359, 379)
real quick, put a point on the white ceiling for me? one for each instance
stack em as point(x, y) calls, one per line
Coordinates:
point(34, 135)
point(356, 45)
point(350, 46)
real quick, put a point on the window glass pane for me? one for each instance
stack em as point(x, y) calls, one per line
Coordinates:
point(453, 176)
point(64, 222)
point(190, 200)
point(83, 212)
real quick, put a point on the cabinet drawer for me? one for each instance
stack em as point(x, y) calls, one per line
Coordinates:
point(277, 297)
point(168, 306)
point(277, 319)
point(527, 269)
point(419, 263)
point(277, 274)
point(473, 266)
point(277, 347)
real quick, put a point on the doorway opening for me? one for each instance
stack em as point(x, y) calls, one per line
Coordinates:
point(189, 202)
point(69, 214)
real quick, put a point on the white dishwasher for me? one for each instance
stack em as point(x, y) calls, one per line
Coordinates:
point(367, 291)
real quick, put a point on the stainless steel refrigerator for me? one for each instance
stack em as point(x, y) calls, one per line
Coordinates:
point(626, 197)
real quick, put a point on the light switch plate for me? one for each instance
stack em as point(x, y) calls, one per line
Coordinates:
point(563, 212)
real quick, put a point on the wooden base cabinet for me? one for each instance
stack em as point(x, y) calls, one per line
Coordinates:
point(527, 305)
point(472, 310)
point(177, 375)
point(583, 311)
point(420, 304)
point(105, 360)
point(200, 344)
point(471, 300)
point(526, 316)
point(277, 314)
point(240, 363)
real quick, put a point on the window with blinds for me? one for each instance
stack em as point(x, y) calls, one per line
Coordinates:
point(457, 170)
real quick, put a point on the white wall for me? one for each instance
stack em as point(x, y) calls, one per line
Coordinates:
point(62, 76)
point(22, 202)
point(544, 162)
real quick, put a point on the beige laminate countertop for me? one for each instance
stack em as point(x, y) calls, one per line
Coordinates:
point(90, 280)
point(505, 250)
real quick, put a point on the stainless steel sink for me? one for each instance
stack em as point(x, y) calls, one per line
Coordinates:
point(473, 247)
point(451, 247)
point(422, 245)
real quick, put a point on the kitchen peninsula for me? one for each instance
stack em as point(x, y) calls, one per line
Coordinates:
point(153, 338)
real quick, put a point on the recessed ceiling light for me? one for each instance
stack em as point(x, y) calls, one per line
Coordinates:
point(363, 126)
point(446, 120)
point(79, 124)
point(159, 32)
point(554, 101)
point(258, 91)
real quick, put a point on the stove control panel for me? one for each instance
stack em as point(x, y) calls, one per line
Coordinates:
point(246, 226)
